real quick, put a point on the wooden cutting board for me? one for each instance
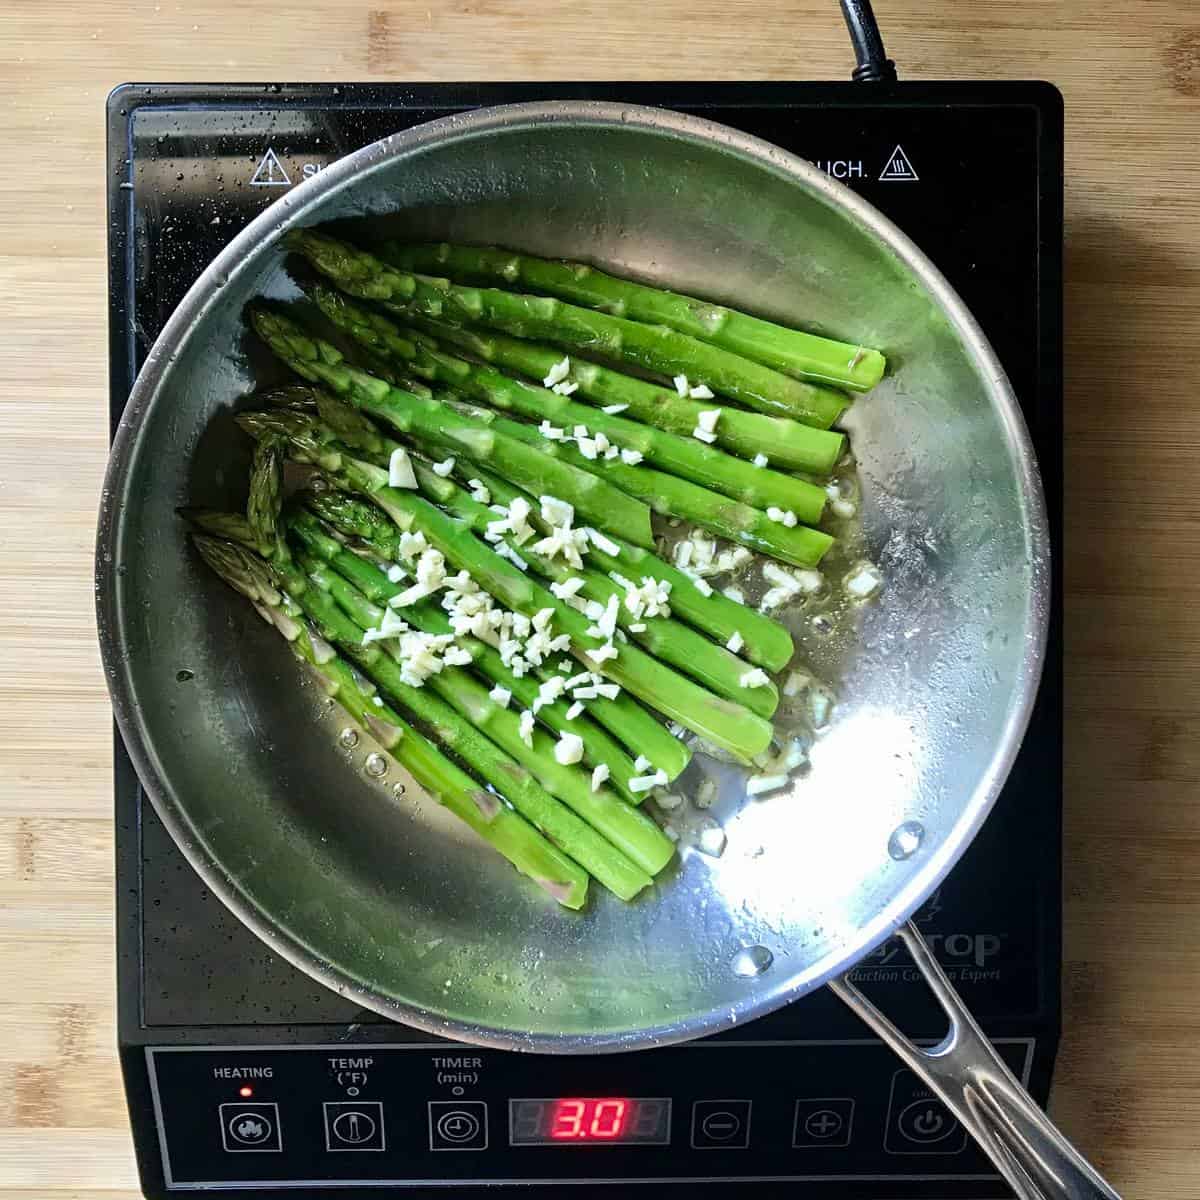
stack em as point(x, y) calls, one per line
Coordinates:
point(1128, 1085)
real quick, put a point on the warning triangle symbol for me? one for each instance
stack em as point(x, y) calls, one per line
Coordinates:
point(898, 168)
point(270, 172)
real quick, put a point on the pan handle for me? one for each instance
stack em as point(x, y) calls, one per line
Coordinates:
point(974, 1083)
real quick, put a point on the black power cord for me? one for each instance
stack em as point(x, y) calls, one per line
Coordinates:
point(874, 66)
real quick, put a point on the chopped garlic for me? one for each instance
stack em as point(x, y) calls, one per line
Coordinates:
point(631, 458)
point(611, 453)
point(602, 542)
point(711, 840)
point(602, 653)
point(506, 551)
point(756, 785)
point(602, 443)
point(609, 691)
point(613, 409)
point(525, 727)
point(700, 392)
point(412, 544)
point(400, 470)
point(551, 433)
point(395, 573)
point(643, 783)
point(568, 749)
point(681, 384)
point(756, 677)
point(863, 581)
point(703, 587)
point(668, 801)
point(638, 627)
point(587, 447)
point(444, 467)
point(706, 793)
point(641, 763)
point(501, 695)
point(565, 389)
point(703, 435)
point(782, 516)
point(567, 588)
point(761, 460)
point(599, 775)
point(557, 373)
point(735, 594)
point(843, 508)
point(736, 641)
point(576, 710)
point(456, 656)
point(479, 491)
point(707, 418)
point(557, 512)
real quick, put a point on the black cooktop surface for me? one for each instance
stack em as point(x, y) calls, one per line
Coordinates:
point(973, 173)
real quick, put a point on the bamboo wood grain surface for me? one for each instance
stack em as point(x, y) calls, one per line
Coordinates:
point(1128, 1082)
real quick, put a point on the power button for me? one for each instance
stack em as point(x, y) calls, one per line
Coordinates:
point(918, 1123)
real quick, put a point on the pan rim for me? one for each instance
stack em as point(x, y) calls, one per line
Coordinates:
point(290, 210)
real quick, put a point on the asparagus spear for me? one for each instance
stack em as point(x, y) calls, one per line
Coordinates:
point(727, 725)
point(603, 504)
point(767, 643)
point(686, 456)
point(751, 527)
point(669, 641)
point(624, 717)
point(567, 831)
point(653, 347)
point(502, 828)
point(627, 828)
point(803, 355)
point(599, 746)
point(784, 442)
point(266, 495)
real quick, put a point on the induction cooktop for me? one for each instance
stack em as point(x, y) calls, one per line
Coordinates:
point(246, 1077)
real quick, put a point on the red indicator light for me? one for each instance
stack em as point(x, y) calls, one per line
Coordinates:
point(245, 1092)
point(577, 1120)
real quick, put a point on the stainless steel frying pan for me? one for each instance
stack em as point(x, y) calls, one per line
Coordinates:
point(382, 897)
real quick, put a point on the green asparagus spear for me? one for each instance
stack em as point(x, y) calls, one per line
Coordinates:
point(567, 831)
point(766, 643)
point(653, 347)
point(623, 717)
point(599, 746)
point(501, 827)
point(629, 830)
point(603, 504)
point(803, 355)
point(266, 495)
point(669, 641)
point(687, 456)
point(751, 527)
point(780, 440)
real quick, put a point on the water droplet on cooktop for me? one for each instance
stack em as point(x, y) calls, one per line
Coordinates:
point(752, 960)
point(906, 839)
point(348, 738)
point(398, 790)
point(183, 675)
point(375, 765)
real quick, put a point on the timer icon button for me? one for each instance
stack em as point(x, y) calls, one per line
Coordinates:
point(458, 1125)
point(721, 1125)
point(250, 1128)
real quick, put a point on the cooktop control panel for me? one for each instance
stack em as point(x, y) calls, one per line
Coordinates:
point(388, 1115)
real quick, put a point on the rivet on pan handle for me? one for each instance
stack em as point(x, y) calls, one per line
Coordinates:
point(973, 1082)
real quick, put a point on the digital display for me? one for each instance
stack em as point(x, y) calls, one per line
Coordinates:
point(590, 1121)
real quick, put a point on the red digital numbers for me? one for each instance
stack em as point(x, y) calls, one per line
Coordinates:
point(576, 1120)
